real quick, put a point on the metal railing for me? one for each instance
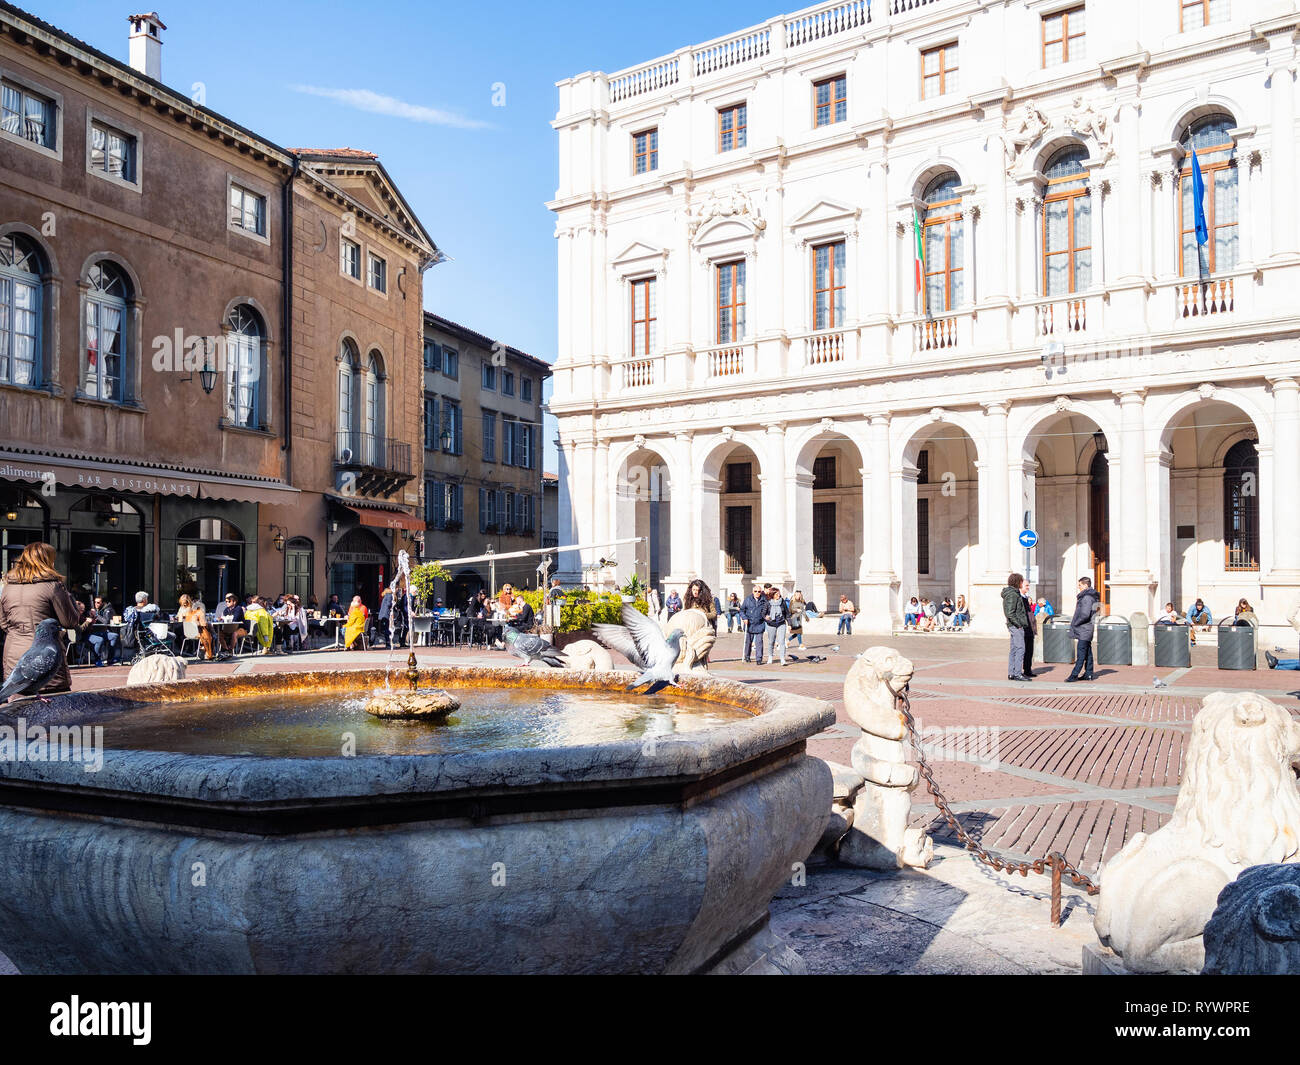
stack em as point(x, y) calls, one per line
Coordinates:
point(373, 450)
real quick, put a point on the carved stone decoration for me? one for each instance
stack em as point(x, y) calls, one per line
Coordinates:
point(1033, 124)
point(1256, 925)
point(827, 425)
point(587, 655)
point(731, 203)
point(638, 441)
point(1087, 121)
point(1062, 404)
point(699, 641)
point(728, 434)
point(1206, 390)
point(938, 414)
point(156, 669)
point(1238, 806)
point(878, 837)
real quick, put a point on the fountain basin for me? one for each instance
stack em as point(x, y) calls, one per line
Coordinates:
point(643, 855)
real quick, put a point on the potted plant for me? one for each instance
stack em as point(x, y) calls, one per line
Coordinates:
point(633, 589)
point(424, 578)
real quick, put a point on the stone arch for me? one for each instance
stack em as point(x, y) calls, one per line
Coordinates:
point(644, 486)
point(826, 518)
point(923, 173)
point(137, 290)
point(262, 312)
point(51, 264)
point(1054, 140)
point(1192, 109)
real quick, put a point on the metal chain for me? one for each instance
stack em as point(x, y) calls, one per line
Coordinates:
point(1054, 864)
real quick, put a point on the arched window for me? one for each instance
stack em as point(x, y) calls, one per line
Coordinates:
point(1241, 507)
point(104, 358)
point(372, 413)
point(209, 560)
point(1067, 223)
point(349, 374)
point(21, 292)
point(1214, 150)
point(943, 243)
point(245, 363)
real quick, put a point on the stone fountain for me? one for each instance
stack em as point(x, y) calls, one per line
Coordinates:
point(222, 842)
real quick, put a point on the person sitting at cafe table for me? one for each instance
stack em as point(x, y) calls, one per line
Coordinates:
point(358, 615)
point(259, 623)
point(230, 634)
point(290, 623)
point(188, 610)
point(334, 609)
point(142, 615)
point(101, 634)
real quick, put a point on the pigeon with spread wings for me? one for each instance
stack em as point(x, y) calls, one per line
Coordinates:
point(642, 643)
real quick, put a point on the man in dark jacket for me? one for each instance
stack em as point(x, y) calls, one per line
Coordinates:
point(753, 611)
point(1017, 618)
point(1082, 628)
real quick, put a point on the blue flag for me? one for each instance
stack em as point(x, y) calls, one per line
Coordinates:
point(1198, 197)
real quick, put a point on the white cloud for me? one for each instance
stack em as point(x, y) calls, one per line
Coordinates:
point(379, 104)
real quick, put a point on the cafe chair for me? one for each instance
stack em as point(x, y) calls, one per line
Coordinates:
point(190, 634)
point(421, 627)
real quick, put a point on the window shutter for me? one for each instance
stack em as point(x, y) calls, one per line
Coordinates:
point(439, 503)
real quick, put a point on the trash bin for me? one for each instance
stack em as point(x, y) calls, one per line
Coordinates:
point(1114, 641)
point(1173, 646)
point(1057, 645)
point(1236, 646)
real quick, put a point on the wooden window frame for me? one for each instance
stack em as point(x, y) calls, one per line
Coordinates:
point(1066, 36)
point(838, 82)
point(1069, 195)
point(1208, 175)
point(836, 284)
point(740, 123)
point(651, 152)
point(948, 271)
point(736, 304)
point(944, 71)
point(1185, 6)
point(645, 324)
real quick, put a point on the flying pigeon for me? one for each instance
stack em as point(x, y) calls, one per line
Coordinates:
point(38, 664)
point(532, 649)
point(642, 643)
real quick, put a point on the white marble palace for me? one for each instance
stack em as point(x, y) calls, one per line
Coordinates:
point(850, 298)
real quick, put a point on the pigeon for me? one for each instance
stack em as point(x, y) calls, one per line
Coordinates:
point(1158, 683)
point(835, 649)
point(38, 664)
point(643, 644)
point(532, 649)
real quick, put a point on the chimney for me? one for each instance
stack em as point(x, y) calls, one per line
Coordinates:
point(146, 44)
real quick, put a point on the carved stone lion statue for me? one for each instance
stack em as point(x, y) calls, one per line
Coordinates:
point(1238, 806)
point(879, 837)
point(1256, 925)
point(156, 669)
point(699, 641)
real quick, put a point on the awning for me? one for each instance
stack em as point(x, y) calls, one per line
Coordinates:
point(381, 518)
point(98, 476)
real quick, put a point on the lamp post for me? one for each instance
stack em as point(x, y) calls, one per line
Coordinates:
point(222, 562)
point(97, 555)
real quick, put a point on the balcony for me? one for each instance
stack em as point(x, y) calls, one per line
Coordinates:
point(379, 466)
point(1201, 299)
point(636, 373)
point(823, 349)
point(1064, 316)
point(935, 334)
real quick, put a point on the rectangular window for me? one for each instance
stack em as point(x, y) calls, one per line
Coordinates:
point(430, 423)
point(922, 536)
point(526, 389)
point(1063, 37)
point(923, 467)
point(938, 71)
point(507, 383)
point(452, 427)
point(828, 286)
point(645, 151)
point(1219, 172)
point(1197, 13)
point(824, 537)
point(26, 114)
point(112, 152)
point(731, 302)
point(823, 472)
point(830, 101)
point(731, 127)
point(247, 210)
point(350, 257)
point(489, 436)
point(432, 356)
point(740, 539)
point(451, 363)
point(740, 478)
point(644, 316)
point(378, 273)
point(489, 377)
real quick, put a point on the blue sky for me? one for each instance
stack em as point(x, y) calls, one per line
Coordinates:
point(477, 175)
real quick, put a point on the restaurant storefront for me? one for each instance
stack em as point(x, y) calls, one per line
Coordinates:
point(364, 540)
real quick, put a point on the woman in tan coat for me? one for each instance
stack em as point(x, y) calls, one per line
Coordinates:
point(34, 591)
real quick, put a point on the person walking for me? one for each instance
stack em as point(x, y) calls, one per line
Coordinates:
point(1013, 611)
point(846, 617)
point(1031, 630)
point(798, 608)
point(778, 616)
point(753, 613)
point(34, 591)
point(1082, 628)
point(673, 603)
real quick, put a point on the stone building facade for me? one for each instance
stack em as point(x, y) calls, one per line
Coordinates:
point(851, 298)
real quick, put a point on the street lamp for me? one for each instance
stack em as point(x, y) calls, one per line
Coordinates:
point(97, 555)
point(1099, 439)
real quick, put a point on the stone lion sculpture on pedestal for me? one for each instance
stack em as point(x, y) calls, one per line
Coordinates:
point(699, 641)
point(878, 836)
point(1238, 806)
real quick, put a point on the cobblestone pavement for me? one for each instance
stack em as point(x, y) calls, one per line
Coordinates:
point(1078, 768)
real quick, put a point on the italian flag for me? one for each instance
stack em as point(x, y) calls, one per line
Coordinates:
point(920, 259)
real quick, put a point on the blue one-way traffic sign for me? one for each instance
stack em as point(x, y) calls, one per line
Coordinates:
point(1028, 538)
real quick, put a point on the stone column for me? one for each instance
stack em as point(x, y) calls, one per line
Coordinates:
point(1282, 216)
point(876, 593)
point(799, 530)
point(1128, 149)
point(1131, 584)
point(706, 498)
point(995, 523)
point(1159, 541)
point(602, 485)
point(774, 506)
point(997, 274)
point(575, 503)
point(1282, 492)
point(681, 517)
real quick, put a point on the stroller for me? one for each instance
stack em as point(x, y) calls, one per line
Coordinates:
point(146, 642)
